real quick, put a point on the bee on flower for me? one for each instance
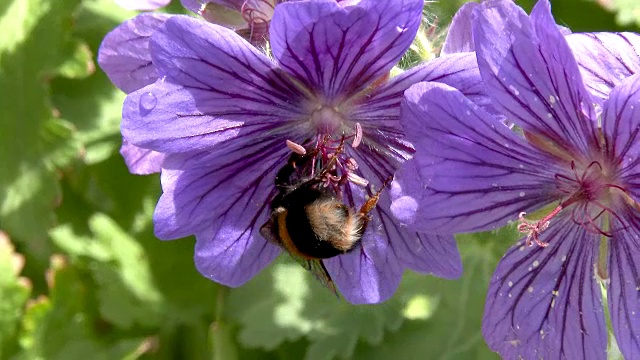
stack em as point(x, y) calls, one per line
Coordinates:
point(228, 118)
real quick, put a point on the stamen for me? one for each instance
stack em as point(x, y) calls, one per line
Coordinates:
point(357, 179)
point(296, 148)
point(358, 137)
point(351, 164)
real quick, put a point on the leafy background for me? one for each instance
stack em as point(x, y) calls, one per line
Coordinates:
point(82, 276)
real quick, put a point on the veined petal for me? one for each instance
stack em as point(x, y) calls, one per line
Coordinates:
point(605, 59)
point(378, 112)
point(141, 161)
point(200, 189)
point(621, 125)
point(624, 284)
point(460, 34)
point(231, 250)
point(124, 54)
point(371, 273)
point(533, 76)
point(470, 171)
point(434, 254)
point(339, 50)
point(459, 71)
point(142, 4)
point(544, 303)
point(217, 87)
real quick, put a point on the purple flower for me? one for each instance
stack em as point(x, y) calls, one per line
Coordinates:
point(570, 177)
point(222, 111)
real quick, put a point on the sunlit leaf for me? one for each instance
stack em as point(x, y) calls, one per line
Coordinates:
point(63, 326)
point(34, 141)
point(286, 304)
point(126, 291)
point(14, 292)
point(628, 10)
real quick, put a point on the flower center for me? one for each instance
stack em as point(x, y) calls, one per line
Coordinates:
point(326, 120)
point(589, 192)
point(326, 157)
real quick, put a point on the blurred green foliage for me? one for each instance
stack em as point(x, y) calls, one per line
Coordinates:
point(82, 275)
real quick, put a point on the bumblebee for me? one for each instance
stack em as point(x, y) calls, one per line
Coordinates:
point(309, 221)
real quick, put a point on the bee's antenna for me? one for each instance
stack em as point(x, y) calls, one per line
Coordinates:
point(385, 184)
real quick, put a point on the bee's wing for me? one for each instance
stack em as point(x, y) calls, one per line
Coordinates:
point(319, 271)
point(315, 266)
point(267, 232)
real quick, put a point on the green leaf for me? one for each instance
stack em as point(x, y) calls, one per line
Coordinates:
point(93, 104)
point(64, 327)
point(34, 141)
point(446, 316)
point(628, 11)
point(285, 304)
point(14, 292)
point(80, 64)
point(126, 291)
point(130, 200)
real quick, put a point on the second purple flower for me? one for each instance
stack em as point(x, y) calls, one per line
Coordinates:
point(568, 173)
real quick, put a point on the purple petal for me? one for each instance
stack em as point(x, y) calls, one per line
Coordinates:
point(142, 4)
point(470, 171)
point(124, 53)
point(199, 190)
point(378, 112)
point(231, 250)
point(624, 285)
point(544, 303)
point(338, 51)
point(459, 71)
point(425, 253)
point(533, 76)
point(141, 161)
point(605, 59)
point(217, 87)
point(372, 272)
point(460, 34)
point(621, 125)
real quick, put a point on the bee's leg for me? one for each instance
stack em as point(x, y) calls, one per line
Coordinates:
point(373, 200)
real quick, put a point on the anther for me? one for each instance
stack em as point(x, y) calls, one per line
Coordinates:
point(296, 148)
point(358, 137)
point(357, 179)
